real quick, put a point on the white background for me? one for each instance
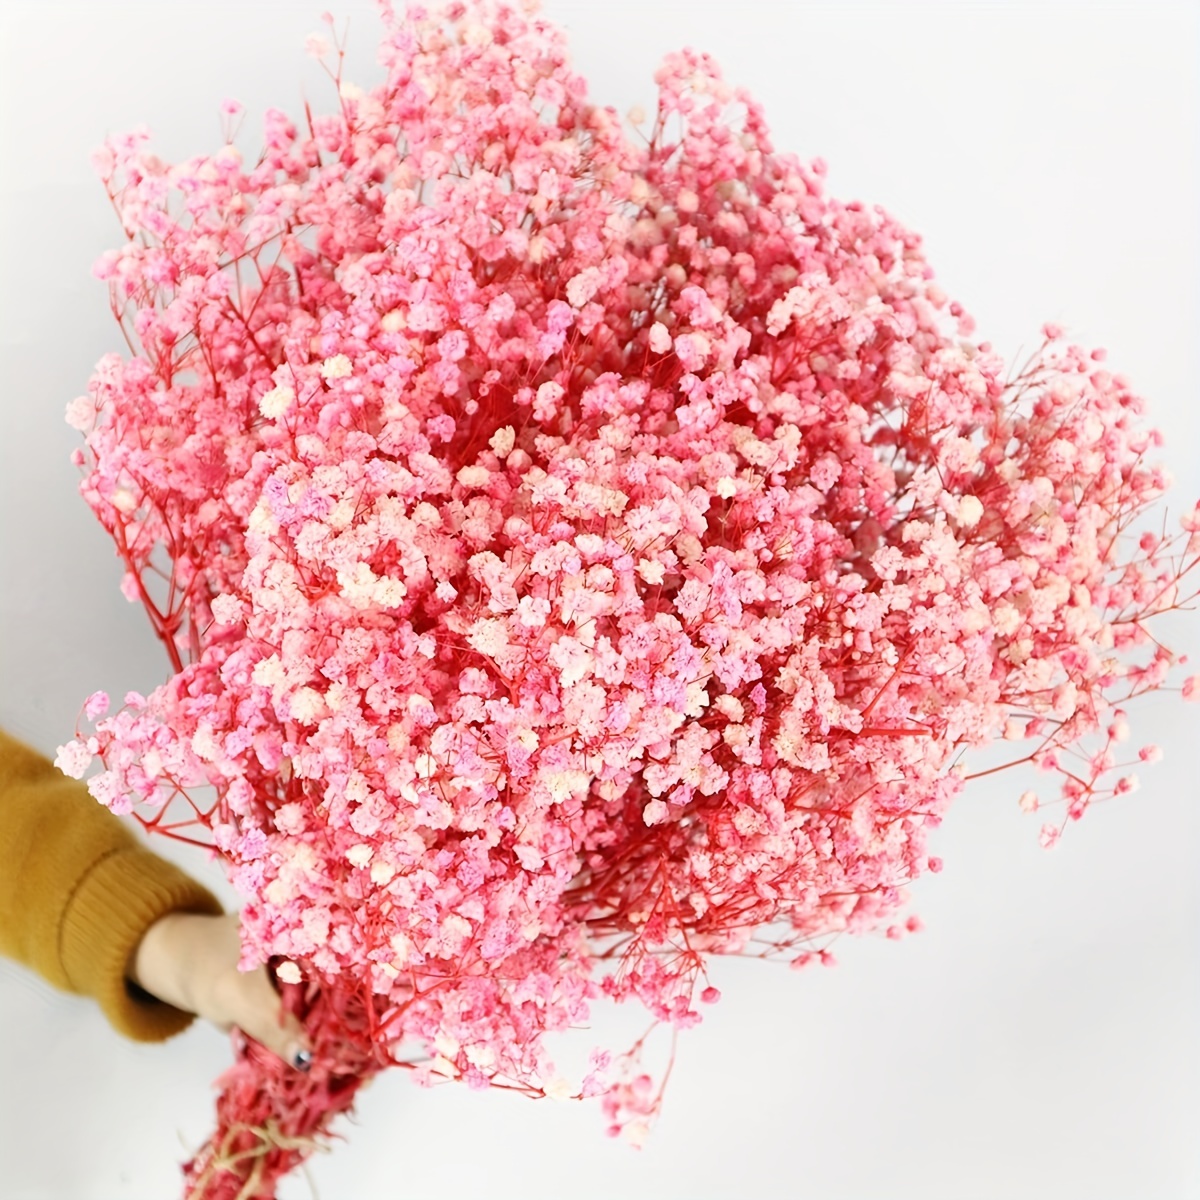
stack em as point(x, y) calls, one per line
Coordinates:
point(1040, 1038)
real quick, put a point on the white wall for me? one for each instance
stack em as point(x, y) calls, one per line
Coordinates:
point(1040, 1038)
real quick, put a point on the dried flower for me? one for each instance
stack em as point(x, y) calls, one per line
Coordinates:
point(581, 554)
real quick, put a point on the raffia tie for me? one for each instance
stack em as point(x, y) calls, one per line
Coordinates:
point(225, 1158)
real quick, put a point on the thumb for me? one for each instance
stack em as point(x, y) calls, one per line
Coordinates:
point(258, 1011)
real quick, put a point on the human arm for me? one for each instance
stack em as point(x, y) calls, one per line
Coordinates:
point(94, 912)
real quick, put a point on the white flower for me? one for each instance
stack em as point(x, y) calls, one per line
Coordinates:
point(532, 611)
point(1006, 619)
point(1065, 700)
point(382, 872)
point(402, 947)
point(276, 402)
point(337, 367)
point(287, 972)
point(573, 660)
point(697, 698)
point(549, 394)
point(489, 636)
point(636, 1133)
point(204, 744)
point(651, 570)
point(474, 477)
point(390, 592)
point(73, 759)
point(446, 1045)
point(307, 705)
point(81, 413)
point(480, 1055)
point(360, 855)
point(477, 35)
point(562, 785)
point(226, 610)
point(970, 509)
point(123, 500)
point(502, 441)
point(654, 812)
point(782, 310)
point(262, 521)
point(660, 338)
point(269, 672)
point(582, 287)
point(364, 589)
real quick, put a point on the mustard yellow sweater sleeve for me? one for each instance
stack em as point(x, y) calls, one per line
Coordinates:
point(77, 892)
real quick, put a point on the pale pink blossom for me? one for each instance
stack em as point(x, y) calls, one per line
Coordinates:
point(73, 759)
point(579, 551)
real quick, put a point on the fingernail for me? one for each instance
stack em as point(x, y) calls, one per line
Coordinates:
point(302, 1060)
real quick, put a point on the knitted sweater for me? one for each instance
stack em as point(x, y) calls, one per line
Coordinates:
point(78, 891)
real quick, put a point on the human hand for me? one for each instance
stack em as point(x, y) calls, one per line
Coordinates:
point(189, 960)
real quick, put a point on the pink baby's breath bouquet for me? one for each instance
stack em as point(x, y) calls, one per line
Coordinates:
point(579, 554)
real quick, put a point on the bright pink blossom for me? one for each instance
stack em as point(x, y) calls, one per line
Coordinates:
point(576, 558)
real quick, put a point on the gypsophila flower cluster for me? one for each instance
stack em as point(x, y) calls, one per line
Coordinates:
point(578, 556)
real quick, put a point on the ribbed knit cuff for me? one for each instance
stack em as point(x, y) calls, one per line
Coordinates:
point(117, 901)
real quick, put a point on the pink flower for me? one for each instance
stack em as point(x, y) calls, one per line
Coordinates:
point(73, 759)
point(520, 631)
